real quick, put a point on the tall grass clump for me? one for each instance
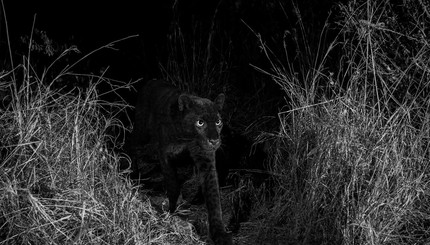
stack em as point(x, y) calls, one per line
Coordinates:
point(351, 155)
point(197, 60)
point(59, 178)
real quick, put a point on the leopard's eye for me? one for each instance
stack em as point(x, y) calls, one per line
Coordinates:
point(218, 122)
point(200, 123)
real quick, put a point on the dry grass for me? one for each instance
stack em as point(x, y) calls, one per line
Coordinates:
point(197, 61)
point(354, 168)
point(59, 179)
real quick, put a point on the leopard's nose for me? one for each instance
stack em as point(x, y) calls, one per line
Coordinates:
point(214, 142)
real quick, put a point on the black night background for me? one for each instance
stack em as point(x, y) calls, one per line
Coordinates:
point(326, 120)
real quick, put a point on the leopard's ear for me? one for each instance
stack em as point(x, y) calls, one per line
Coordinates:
point(219, 101)
point(184, 101)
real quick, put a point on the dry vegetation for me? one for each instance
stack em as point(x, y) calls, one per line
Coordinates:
point(352, 156)
point(59, 180)
point(349, 161)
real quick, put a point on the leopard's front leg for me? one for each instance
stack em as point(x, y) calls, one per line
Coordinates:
point(170, 181)
point(209, 182)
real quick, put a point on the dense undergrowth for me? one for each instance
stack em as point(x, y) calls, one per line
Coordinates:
point(59, 178)
point(352, 153)
point(349, 161)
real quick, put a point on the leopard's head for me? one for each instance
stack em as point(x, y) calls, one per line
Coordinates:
point(202, 119)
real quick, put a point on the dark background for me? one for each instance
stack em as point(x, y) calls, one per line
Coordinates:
point(91, 24)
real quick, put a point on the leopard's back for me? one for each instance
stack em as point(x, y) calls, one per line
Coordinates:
point(154, 110)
